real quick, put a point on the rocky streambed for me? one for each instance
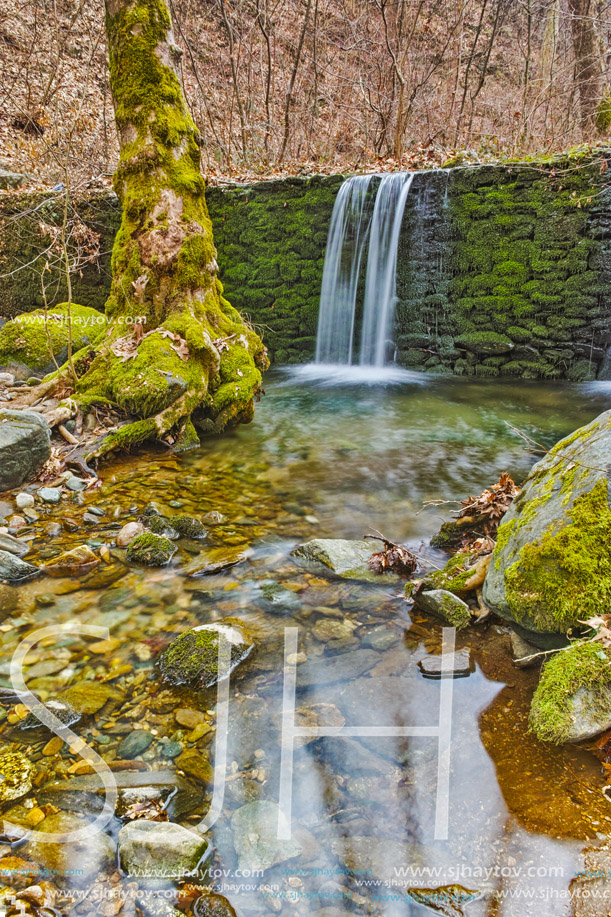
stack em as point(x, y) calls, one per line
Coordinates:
point(360, 834)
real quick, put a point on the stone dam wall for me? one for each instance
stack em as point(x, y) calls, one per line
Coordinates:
point(504, 270)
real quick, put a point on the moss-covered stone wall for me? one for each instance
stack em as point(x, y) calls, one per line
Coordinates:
point(503, 270)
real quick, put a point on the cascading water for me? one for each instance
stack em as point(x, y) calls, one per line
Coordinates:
point(381, 277)
point(348, 235)
point(353, 225)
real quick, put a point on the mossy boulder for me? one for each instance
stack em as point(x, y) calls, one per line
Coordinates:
point(445, 605)
point(30, 343)
point(25, 445)
point(188, 526)
point(551, 567)
point(573, 698)
point(344, 557)
point(193, 657)
point(152, 550)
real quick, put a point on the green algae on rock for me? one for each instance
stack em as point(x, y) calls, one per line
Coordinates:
point(193, 657)
point(445, 605)
point(572, 701)
point(37, 342)
point(344, 557)
point(551, 567)
point(188, 526)
point(152, 550)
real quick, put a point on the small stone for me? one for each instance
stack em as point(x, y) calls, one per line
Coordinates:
point(193, 657)
point(195, 765)
point(171, 750)
point(458, 666)
point(277, 600)
point(89, 696)
point(45, 599)
point(17, 522)
point(24, 500)
point(77, 562)
point(524, 653)
point(189, 718)
point(103, 647)
point(327, 629)
point(127, 534)
point(17, 546)
point(91, 851)
point(134, 744)
point(90, 519)
point(143, 652)
point(160, 850)
point(296, 658)
point(50, 494)
point(97, 511)
point(215, 560)
point(151, 550)
point(199, 732)
point(53, 746)
point(76, 484)
point(445, 605)
point(12, 569)
point(188, 526)
point(214, 518)
point(7, 379)
point(16, 773)
point(381, 638)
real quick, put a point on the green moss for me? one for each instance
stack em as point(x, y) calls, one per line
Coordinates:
point(566, 576)
point(35, 338)
point(485, 342)
point(455, 613)
point(188, 526)
point(584, 666)
point(603, 116)
point(152, 550)
point(191, 658)
point(454, 575)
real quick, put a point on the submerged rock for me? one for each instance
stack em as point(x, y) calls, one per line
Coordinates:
point(376, 857)
point(134, 744)
point(276, 599)
point(346, 558)
point(215, 560)
point(572, 701)
point(188, 526)
point(445, 605)
point(12, 569)
point(16, 773)
point(151, 550)
point(255, 836)
point(160, 850)
point(14, 545)
point(25, 445)
point(78, 561)
point(192, 658)
point(460, 667)
point(552, 567)
point(89, 696)
point(72, 862)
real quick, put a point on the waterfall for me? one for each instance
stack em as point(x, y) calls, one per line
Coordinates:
point(381, 278)
point(352, 227)
point(348, 235)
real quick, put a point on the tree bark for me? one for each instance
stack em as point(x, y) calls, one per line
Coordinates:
point(588, 71)
point(175, 352)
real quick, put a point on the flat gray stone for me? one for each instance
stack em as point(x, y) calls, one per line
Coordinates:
point(344, 667)
point(14, 545)
point(461, 666)
point(50, 494)
point(346, 558)
point(159, 850)
point(25, 445)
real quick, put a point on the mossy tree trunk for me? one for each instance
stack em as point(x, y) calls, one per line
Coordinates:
point(175, 352)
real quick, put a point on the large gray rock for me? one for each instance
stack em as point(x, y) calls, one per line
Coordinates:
point(344, 557)
point(25, 445)
point(160, 849)
point(552, 564)
point(193, 657)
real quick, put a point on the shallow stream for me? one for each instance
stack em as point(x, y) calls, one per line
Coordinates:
point(331, 458)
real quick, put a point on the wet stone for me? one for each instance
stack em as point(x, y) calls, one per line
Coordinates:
point(134, 744)
point(16, 773)
point(17, 546)
point(92, 851)
point(160, 850)
point(381, 638)
point(460, 666)
point(195, 765)
point(89, 696)
point(23, 500)
point(64, 712)
point(255, 836)
point(12, 569)
point(342, 667)
point(50, 495)
point(276, 599)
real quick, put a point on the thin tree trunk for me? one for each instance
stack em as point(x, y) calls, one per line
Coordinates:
point(289, 94)
point(587, 60)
